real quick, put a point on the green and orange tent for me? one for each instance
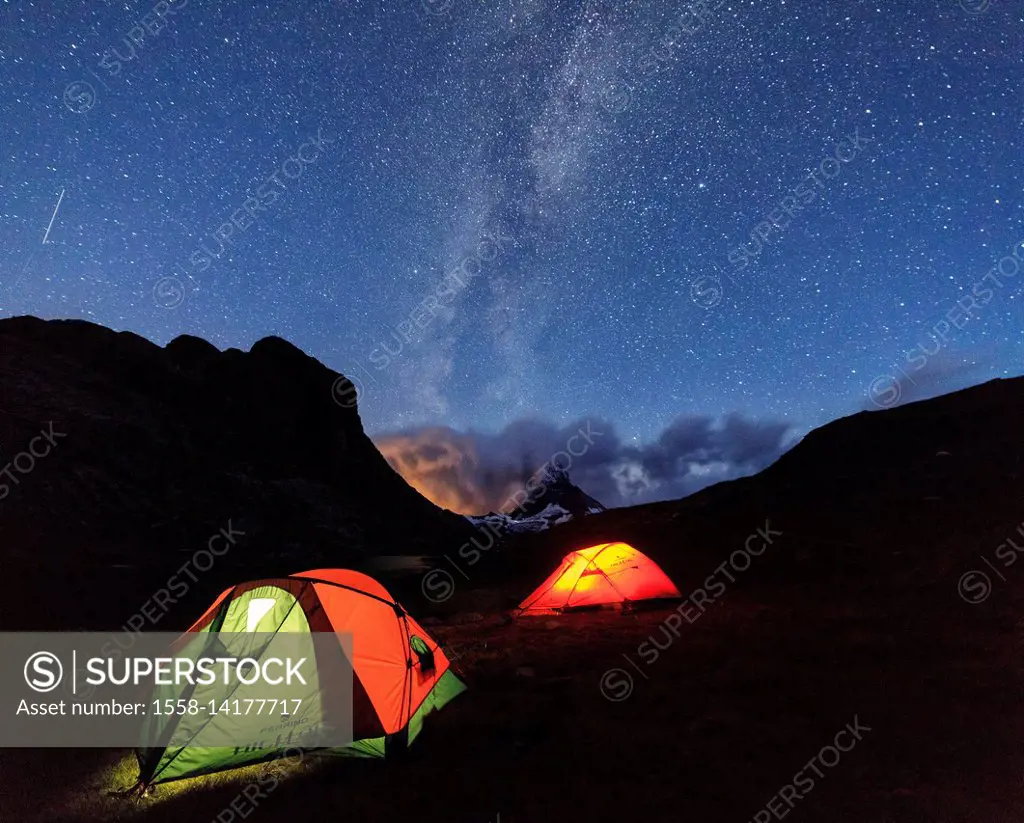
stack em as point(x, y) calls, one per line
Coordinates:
point(613, 575)
point(399, 674)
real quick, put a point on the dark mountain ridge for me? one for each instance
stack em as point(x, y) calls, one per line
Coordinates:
point(909, 496)
point(156, 449)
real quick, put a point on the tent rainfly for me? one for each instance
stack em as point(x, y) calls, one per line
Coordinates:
point(611, 575)
point(400, 674)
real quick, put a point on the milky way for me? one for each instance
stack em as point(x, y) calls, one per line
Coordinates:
point(483, 212)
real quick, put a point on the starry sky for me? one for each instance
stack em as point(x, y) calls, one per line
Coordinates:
point(486, 212)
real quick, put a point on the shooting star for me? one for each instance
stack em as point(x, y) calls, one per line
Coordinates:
point(54, 217)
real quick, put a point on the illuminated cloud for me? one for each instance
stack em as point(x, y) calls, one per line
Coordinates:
point(473, 472)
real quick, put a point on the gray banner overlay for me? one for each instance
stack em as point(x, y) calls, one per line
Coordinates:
point(248, 690)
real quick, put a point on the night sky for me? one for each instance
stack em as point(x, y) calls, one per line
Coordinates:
point(489, 212)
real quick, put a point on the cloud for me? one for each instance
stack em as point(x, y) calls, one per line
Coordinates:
point(473, 472)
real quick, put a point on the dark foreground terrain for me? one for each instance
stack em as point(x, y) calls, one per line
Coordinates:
point(890, 598)
point(743, 700)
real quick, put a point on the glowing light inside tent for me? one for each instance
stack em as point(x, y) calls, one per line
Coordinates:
point(259, 607)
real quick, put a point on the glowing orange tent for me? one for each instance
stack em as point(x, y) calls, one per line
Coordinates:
point(611, 574)
point(400, 674)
